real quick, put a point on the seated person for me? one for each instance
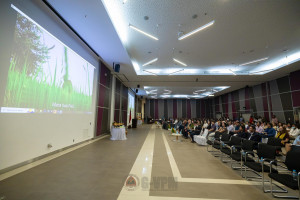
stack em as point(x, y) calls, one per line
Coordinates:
point(187, 129)
point(283, 135)
point(182, 126)
point(259, 127)
point(212, 130)
point(252, 135)
point(295, 131)
point(269, 132)
point(295, 146)
point(237, 127)
point(196, 131)
point(230, 128)
point(241, 132)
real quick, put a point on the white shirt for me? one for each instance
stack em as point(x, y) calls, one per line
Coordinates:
point(230, 128)
point(294, 132)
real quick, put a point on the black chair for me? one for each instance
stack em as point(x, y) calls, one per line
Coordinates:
point(219, 144)
point(235, 144)
point(265, 154)
point(237, 156)
point(292, 162)
point(275, 142)
point(217, 138)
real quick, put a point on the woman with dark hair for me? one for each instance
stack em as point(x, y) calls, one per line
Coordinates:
point(242, 132)
point(283, 135)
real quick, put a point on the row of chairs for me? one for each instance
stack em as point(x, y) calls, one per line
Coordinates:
point(259, 158)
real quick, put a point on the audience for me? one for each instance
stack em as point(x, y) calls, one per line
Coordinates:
point(256, 129)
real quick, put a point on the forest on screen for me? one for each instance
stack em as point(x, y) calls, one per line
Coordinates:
point(44, 74)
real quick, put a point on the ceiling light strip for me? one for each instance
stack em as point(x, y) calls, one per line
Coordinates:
point(232, 72)
point(178, 61)
point(268, 70)
point(150, 72)
point(196, 30)
point(254, 61)
point(200, 90)
point(176, 72)
point(150, 62)
point(139, 30)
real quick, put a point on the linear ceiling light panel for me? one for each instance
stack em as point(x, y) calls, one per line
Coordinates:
point(176, 72)
point(232, 72)
point(179, 62)
point(254, 61)
point(261, 72)
point(196, 30)
point(150, 62)
point(138, 30)
point(150, 72)
point(200, 90)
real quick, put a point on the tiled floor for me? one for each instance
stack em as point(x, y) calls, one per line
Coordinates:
point(163, 170)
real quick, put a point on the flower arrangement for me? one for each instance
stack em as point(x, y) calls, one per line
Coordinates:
point(173, 130)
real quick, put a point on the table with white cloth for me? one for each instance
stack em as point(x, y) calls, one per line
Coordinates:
point(118, 133)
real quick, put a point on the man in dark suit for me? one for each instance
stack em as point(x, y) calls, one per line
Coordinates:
point(252, 135)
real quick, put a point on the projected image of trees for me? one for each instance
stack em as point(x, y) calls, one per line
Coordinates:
point(44, 74)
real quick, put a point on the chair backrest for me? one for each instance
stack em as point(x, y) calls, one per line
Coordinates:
point(274, 141)
point(205, 133)
point(248, 145)
point(235, 140)
point(266, 151)
point(292, 161)
point(225, 137)
point(217, 135)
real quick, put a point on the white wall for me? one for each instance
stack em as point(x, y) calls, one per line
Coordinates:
point(25, 136)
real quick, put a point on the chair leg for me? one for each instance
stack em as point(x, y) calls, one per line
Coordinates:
point(284, 197)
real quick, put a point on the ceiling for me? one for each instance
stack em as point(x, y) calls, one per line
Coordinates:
point(243, 31)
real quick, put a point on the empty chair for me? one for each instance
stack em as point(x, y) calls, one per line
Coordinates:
point(235, 144)
point(292, 162)
point(247, 146)
point(217, 137)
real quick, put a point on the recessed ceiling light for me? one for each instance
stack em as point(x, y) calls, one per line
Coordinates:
point(179, 62)
point(176, 72)
point(150, 62)
point(147, 34)
point(196, 30)
point(254, 61)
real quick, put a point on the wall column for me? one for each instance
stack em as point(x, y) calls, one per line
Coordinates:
point(112, 101)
